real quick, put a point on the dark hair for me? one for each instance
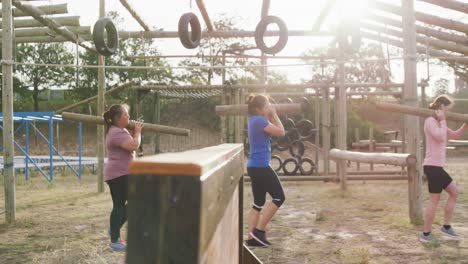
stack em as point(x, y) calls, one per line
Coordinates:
point(113, 114)
point(440, 100)
point(256, 102)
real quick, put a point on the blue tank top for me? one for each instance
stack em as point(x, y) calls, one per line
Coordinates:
point(259, 140)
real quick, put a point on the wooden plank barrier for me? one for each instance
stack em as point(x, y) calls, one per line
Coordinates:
point(399, 159)
point(99, 120)
point(242, 109)
point(187, 207)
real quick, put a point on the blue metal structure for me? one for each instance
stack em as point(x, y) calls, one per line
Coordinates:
point(27, 120)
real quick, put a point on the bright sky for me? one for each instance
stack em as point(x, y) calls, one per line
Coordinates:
point(298, 14)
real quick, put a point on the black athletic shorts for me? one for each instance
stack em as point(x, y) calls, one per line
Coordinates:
point(438, 179)
point(265, 180)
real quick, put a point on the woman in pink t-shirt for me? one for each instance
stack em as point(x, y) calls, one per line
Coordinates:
point(437, 134)
point(121, 145)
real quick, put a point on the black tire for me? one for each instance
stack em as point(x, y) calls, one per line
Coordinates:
point(286, 100)
point(349, 37)
point(260, 32)
point(288, 169)
point(278, 161)
point(305, 103)
point(292, 136)
point(297, 149)
point(101, 27)
point(304, 170)
point(192, 39)
point(289, 124)
point(282, 144)
point(304, 128)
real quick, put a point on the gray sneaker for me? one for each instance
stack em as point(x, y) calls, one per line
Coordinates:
point(449, 232)
point(426, 239)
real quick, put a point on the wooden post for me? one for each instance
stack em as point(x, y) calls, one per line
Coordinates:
point(410, 98)
point(421, 120)
point(100, 109)
point(326, 131)
point(7, 105)
point(223, 100)
point(157, 120)
point(237, 125)
point(341, 131)
point(317, 134)
point(371, 144)
point(356, 139)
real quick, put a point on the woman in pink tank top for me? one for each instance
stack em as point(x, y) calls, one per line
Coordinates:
point(437, 133)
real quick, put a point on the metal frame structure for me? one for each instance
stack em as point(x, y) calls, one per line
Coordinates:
point(27, 120)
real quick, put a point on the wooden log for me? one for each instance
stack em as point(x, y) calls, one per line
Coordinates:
point(377, 145)
point(42, 32)
point(98, 120)
point(206, 17)
point(323, 15)
point(92, 98)
point(135, 15)
point(326, 128)
point(249, 256)
point(47, 39)
point(416, 111)
point(436, 33)
point(73, 21)
point(397, 159)
point(371, 144)
point(53, 24)
point(389, 177)
point(439, 44)
point(194, 193)
point(101, 102)
point(47, 9)
point(243, 109)
point(450, 4)
point(219, 34)
point(7, 111)
point(423, 17)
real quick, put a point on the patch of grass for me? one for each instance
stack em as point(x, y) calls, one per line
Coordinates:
point(357, 256)
point(397, 221)
point(320, 216)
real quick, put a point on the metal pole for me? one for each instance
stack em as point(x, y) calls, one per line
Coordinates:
point(26, 172)
point(100, 110)
point(7, 105)
point(51, 150)
point(80, 147)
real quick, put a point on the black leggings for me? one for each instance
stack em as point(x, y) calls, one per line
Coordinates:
point(264, 180)
point(119, 192)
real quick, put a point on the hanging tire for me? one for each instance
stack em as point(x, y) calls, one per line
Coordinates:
point(189, 40)
point(292, 136)
point(282, 144)
point(276, 163)
point(105, 26)
point(290, 166)
point(349, 37)
point(306, 166)
point(289, 124)
point(297, 149)
point(262, 28)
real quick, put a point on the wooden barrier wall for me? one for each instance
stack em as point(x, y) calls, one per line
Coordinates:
point(187, 207)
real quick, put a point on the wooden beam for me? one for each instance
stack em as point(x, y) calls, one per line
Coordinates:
point(53, 24)
point(135, 15)
point(417, 111)
point(45, 32)
point(397, 159)
point(439, 44)
point(449, 4)
point(436, 33)
point(265, 8)
point(7, 111)
point(206, 17)
point(47, 9)
point(92, 98)
point(219, 34)
point(389, 177)
point(236, 56)
point(242, 109)
point(423, 17)
point(99, 120)
point(73, 21)
point(323, 15)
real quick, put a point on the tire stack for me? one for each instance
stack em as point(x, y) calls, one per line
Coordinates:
point(298, 130)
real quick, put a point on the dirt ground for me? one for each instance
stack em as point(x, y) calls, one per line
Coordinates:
point(67, 223)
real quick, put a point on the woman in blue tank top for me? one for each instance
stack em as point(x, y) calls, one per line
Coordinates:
point(263, 122)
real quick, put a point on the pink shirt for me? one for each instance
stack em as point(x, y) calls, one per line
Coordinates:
point(118, 158)
point(437, 133)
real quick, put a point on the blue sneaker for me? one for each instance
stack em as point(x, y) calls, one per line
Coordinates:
point(118, 246)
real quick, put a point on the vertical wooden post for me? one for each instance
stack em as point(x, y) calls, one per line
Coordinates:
point(100, 109)
point(410, 97)
point(356, 139)
point(326, 124)
point(7, 105)
point(317, 122)
point(415, 205)
point(341, 131)
point(421, 120)
point(237, 125)
point(157, 120)
point(371, 144)
point(223, 100)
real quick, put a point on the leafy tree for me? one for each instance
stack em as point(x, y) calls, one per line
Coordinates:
point(38, 77)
